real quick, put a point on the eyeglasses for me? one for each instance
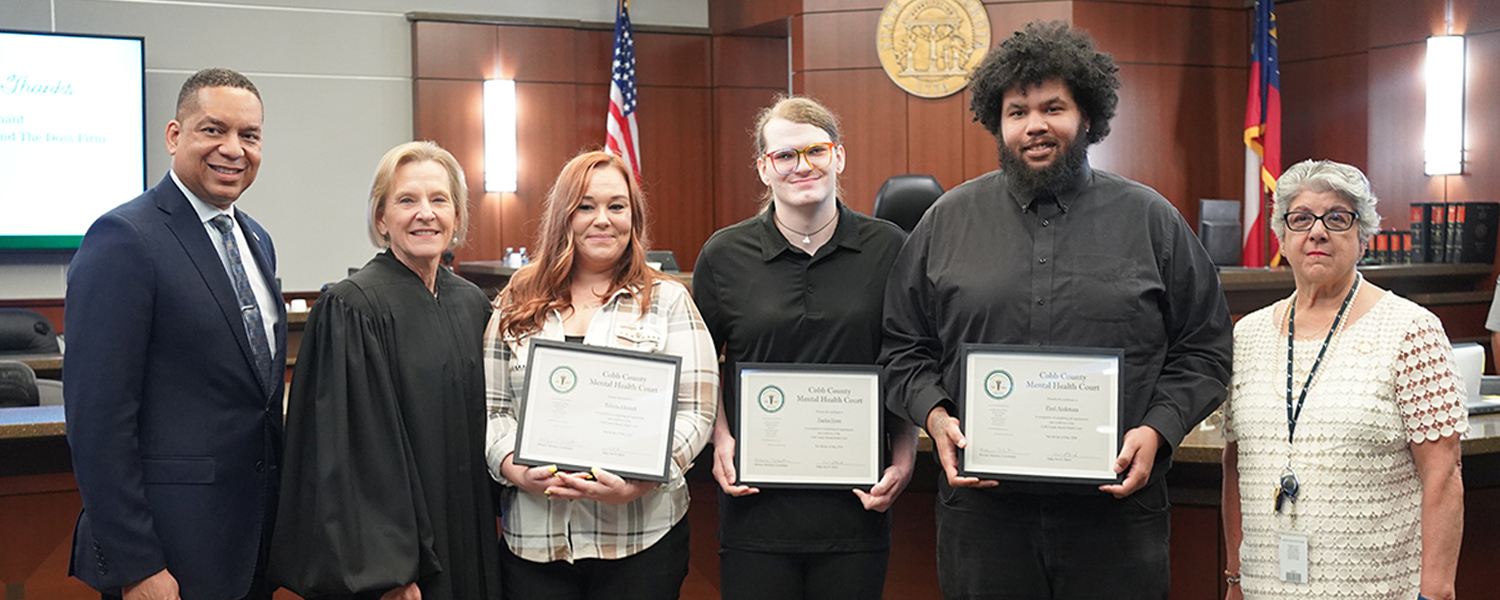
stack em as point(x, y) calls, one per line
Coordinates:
point(784, 161)
point(1333, 220)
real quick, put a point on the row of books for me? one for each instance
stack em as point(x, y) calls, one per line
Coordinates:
point(1444, 232)
point(1392, 247)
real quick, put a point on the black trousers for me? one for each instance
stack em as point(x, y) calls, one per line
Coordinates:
point(1014, 546)
point(746, 575)
point(653, 574)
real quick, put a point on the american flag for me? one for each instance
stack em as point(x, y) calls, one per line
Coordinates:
point(1262, 140)
point(623, 138)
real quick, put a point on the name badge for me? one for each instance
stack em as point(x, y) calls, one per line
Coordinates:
point(1292, 556)
point(640, 336)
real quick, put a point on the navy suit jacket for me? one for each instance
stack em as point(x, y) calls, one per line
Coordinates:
point(175, 441)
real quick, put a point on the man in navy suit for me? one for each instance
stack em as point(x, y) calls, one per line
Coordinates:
point(175, 365)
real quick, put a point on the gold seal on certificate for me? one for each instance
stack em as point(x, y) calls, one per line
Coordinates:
point(1040, 413)
point(808, 425)
point(587, 406)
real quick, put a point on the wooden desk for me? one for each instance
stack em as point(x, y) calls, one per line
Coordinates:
point(31, 422)
point(490, 275)
point(1250, 289)
point(1459, 294)
point(1452, 291)
point(49, 366)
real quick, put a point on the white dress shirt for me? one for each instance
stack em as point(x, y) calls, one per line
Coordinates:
point(258, 284)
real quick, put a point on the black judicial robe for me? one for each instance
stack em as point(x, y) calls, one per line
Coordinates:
point(384, 481)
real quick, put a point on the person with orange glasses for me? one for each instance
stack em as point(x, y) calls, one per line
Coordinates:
point(801, 282)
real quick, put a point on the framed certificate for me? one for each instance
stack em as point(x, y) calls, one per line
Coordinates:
point(1036, 413)
point(817, 426)
point(587, 406)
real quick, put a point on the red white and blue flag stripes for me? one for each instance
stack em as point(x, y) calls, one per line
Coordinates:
point(1262, 140)
point(623, 137)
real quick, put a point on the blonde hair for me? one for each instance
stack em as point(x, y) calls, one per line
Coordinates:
point(797, 109)
point(385, 179)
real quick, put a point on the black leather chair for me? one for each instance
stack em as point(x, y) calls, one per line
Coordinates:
point(17, 385)
point(25, 331)
point(903, 199)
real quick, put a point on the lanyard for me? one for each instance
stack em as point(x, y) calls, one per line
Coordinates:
point(1291, 325)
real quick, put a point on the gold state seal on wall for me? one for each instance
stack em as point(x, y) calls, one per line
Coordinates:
point(929, 47)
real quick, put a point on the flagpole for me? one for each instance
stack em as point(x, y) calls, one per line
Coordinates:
point(1250, 237)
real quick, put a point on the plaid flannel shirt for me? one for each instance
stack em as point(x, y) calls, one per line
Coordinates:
point(541, 529)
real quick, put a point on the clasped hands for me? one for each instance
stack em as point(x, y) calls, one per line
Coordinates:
point(598, 484)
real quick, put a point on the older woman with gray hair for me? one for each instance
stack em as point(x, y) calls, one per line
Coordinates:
point(1341, 469)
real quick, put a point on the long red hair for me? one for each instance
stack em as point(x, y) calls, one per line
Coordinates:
point(544, 284)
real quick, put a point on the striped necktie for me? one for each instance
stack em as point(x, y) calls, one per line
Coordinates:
point(249, 308)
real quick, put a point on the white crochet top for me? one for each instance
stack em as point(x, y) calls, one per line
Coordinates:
point(1388, 380)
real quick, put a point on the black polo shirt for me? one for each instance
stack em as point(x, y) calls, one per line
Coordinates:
point(765, 300)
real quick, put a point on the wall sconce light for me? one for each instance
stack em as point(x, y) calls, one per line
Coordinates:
point(500, 135)
point(1444, 143)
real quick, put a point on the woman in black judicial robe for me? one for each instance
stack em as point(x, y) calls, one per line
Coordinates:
point(385, 493)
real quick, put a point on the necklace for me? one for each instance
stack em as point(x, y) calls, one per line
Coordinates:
point(1288, 486)
point(1291, 328)
point(806, 236)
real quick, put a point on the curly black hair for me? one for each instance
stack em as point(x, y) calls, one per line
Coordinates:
point(1043, 51)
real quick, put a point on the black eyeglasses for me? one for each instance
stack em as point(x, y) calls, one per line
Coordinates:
point(1333, 220)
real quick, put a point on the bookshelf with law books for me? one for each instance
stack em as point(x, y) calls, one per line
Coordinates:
point(1443, 261)
point(1440, 233)
point(1444, 232)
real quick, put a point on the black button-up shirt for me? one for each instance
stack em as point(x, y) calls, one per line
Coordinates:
point(1108, 263)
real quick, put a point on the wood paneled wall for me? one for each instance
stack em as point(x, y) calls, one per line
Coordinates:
point(1183, 68)
point(749, 72)
point(561, 75)
point(1352, 91)
point(37, 513)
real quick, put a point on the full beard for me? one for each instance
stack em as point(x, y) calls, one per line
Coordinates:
point(1030, 182)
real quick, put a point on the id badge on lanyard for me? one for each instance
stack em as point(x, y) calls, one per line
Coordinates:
point(1291, 545)
point(1291, 557)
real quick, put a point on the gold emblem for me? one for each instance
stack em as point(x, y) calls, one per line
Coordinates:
point(929, 47)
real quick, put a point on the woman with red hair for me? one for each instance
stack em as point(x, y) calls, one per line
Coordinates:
point(595, 535)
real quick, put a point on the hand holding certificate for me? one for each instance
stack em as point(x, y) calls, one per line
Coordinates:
point(588, 407)
point(1041, 414)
